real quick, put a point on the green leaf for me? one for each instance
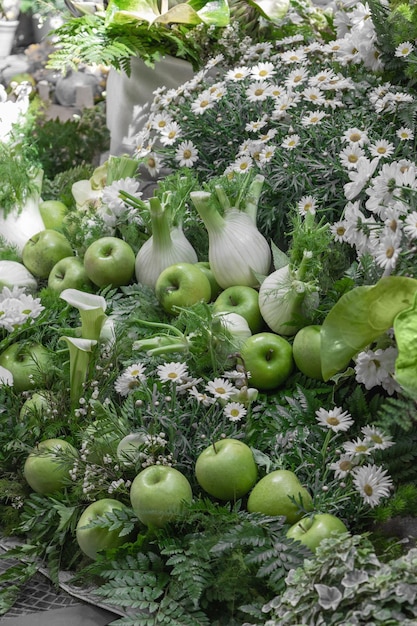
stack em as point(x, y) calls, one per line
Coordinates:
point(360, 317)
point(273, 10)
point(405, 329)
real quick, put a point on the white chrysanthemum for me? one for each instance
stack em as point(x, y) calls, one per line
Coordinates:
point(235, 411)
point(220, 388)
point(17, 307)
point(336, 419)
point(374, 368)
point(172, 372)
point(373, 483)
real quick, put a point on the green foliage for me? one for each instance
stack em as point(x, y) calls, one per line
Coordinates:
point(62, 146)
point(217, 558)
point(345, 583)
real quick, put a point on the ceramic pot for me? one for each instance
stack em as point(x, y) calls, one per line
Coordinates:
point(7, 35)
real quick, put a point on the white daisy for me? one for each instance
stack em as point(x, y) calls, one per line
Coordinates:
point(290, 142)
point(343, 466)
point(350, 155)
point(160, 120)
point(307, 204)
point(405, 134)
point(130, 379)
point(172, 372)
point(202, 103)
point(410, 225)
point(293, 56)
point(258, 91)
point(201, 397)
point(263, 70)
point(356, 136)
point(242, 164)
point(375, 436)
point(220, 388)
point(373, 483)
point(256, 124)
point(235, 411)
point(314, 95)
point(186, 154)
point(357, 447)
point(387, 252)
point(238, 73)
point(153, 163)
point(404, 49)
point(336, 419)
point(381, 148)
point(313, 118)
point(339, 230)
point(296, 77)
point(170, 133)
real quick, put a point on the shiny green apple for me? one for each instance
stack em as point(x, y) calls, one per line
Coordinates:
point(244, 301)
point(53, 213)
point(27, 361)
point(268, 358)
point(226, 469)
point(69, 273)
point(95, 539)
point(311, 530)
point(280, 493)
point(158, 494)
point(109, 261)
point(182, 285)
point(43, 250)
point(306, 351)
point(204, 266)
point(47, 467)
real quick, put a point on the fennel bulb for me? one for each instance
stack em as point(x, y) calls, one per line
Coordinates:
point(14, 274)
point(235, 325)
point(284, 301)
point(166, 246)
point(237, 250)
point(22, 222)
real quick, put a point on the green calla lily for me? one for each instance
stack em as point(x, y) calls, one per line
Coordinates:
point(212, 12)
point(92, 311)
point(80, 353)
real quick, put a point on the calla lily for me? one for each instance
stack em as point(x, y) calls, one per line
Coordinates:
point(6, 377)
point(91, 308)
point(85, 195)
point(80, 352)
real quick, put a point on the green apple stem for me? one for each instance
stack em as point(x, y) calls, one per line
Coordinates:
point(214, 447)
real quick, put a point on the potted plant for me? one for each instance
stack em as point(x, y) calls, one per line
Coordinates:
point(9, 20)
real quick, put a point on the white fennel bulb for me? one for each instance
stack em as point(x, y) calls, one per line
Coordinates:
point(238, 252)
point(235, 325)
point(284, 301)
point(166, 246)
point(15, 274)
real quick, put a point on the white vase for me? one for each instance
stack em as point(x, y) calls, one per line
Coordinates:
point(7, 35)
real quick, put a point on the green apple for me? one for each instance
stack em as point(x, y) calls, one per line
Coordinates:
point(26, 361)
point(275, 493)
point(311, 530)
point(94, 539)
point(47, 467)
point(53, 213)
point(182, 285)
point(43, 250)
point(204, 266)
point(268, 358)
point(36, 409)
point(69, 273)
point(226, 469)
point(244, 301)
point(306, 351)
point(158, 494)
point(109, 261)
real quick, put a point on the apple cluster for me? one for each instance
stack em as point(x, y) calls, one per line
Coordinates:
point(226, 470)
